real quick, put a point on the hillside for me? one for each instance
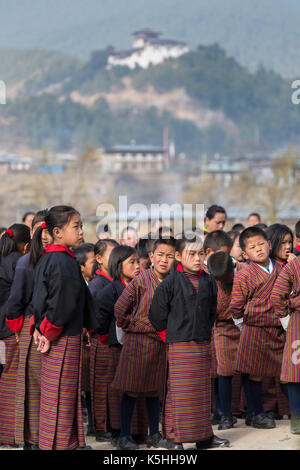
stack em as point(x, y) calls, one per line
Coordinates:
point(252, 31)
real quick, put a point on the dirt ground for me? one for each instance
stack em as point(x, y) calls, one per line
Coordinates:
point(241, 437)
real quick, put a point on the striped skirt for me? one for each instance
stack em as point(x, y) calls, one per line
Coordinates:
point(99, 357)
point(187, 407)
point(260, 351)
point(226, 340)
point(139, 424)
point(8, 382)
point(61, 424)
point(142, 365)
point(28, 389)
point(85, 368)
point(214, 363)
point(290, 371)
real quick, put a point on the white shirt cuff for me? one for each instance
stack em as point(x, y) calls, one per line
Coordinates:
point(238, 322)
point(284, 322)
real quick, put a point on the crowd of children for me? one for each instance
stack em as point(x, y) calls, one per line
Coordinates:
point(189, 330)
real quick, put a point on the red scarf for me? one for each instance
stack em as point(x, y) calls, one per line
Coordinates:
point(181, 270)
point(102, 273)
point(57, 247)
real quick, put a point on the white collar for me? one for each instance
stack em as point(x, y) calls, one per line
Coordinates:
point(269, 269)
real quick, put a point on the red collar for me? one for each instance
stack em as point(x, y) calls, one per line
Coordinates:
point(102, 273)
point(297, 247)
point(54, 247)
point(123, 282)
point(181, 270)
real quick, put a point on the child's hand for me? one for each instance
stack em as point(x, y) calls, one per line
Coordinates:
point(36, 336)
point(44, 345)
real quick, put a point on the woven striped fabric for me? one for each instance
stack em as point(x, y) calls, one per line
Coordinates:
point(139, 424)
point(99, 357)
point(260, 351)
point(8, 381)
point(142, 365)
point(132, 307)
point(85, 372)
point(61, 424)
point(251, 296)
point(286, 299)
point(187, 408)
point(28, 389)
point(214, 362)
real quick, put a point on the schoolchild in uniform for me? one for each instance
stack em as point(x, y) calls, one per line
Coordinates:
point(142, 364)
point(85, 256)
point(99, 351)
point(18, 318)
point(262, 336)
point(215, 241)
point(123, 267)
point(13, 244)
point(183, 312)
point(226, 334)
point(62, 308)
point(285, 299)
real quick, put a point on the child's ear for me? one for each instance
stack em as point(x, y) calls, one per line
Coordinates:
point(151, 255)
point(245, 256)
point(178, 256)
point(26, 248)
point(270, 244)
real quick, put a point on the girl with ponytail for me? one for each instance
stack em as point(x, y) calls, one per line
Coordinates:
point(18, 317)
point(62, 307)
point(13, 244)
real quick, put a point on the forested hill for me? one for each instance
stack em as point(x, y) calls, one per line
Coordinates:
point(208, 101)
point(252, 31)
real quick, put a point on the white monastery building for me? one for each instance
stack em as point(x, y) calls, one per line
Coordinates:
point(148, 49)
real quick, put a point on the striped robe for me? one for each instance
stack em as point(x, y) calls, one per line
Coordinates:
point(142, 365)
point(262, 337)
point(226, 334)
point(286, 300)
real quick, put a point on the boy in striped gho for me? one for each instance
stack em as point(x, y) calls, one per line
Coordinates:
point(285, 299)
point(262, 336)
point(226, 333)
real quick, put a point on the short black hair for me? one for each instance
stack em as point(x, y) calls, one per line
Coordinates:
point(251, 232)
point(164, 241)
point(219, 264)
point(184, 240)
point(81, 252)
point(26, 214)
point(163, 230)
point(213, 210)
point(142, 248)
point(216, 239)
point(261, 225)
point(254, 214)
point(238, 227)
point(234, 234)
point(297, 229)
point(275, 234)
point(116, 258)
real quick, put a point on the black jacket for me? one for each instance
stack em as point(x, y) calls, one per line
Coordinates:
point(61, 300)
point(106, 322)
point(185, 314)
point(7, 273)
point(18, 304)
point(95, 286)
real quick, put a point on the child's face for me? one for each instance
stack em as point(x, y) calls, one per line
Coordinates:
point(130, 267)
point(216, 223)
point(257, 249)
point(285, 247)
point(236, 251)
point(102, 260)
point(87, 268)
point(130, 238)
point(162, 259)
point(192, 257)
point(71, 234)
point(46, 237)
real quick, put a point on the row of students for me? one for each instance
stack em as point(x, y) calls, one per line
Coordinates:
point(163, 317)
